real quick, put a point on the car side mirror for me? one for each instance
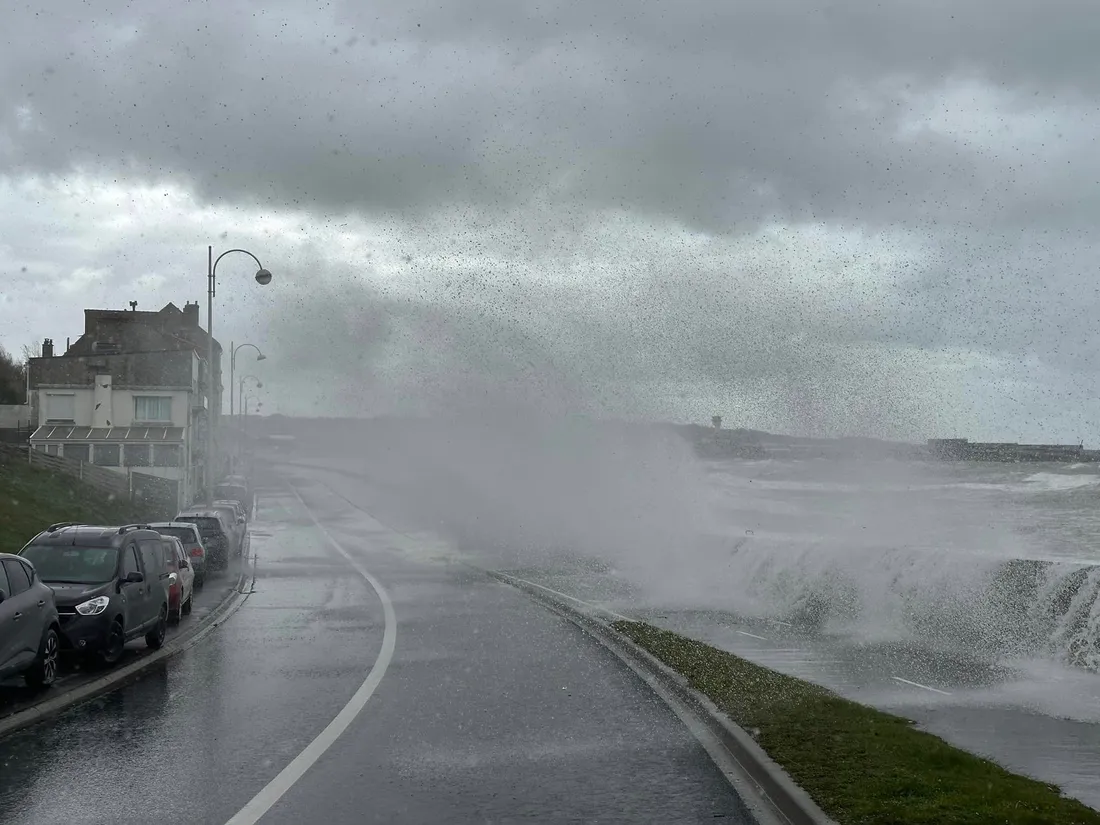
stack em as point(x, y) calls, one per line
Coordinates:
point(3, 594)
point(134, 577)
point(183, 565)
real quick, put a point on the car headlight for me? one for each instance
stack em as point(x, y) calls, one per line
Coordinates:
point(93, 607)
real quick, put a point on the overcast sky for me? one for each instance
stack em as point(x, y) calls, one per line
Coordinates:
point(815, 217)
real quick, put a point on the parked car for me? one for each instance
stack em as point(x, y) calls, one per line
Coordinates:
point(110, 584)
point(238, 508)
point(234, 489)
point(181, 590)
point(217, 535)
point(233, 517)
point(193, 547)
point(30, 630)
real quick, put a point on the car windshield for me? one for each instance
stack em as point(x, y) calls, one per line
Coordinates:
point(208, 527)
point(72, 564)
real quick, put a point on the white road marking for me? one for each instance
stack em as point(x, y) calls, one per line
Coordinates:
point(273, 791)
point(919, 685)
point(751, 635)
point(609, 612)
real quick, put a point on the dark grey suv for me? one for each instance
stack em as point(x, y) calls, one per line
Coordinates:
point(110, 583)
point(29, 626)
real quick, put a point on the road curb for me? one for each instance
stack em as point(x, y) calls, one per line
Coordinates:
point(767, 790)
point(53, 705)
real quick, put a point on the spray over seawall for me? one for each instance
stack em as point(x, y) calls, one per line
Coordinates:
point(976, 560)
point(983, 561)
point(974, 605)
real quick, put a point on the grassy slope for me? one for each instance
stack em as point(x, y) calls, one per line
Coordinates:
point(31, 499)
point(859, 764)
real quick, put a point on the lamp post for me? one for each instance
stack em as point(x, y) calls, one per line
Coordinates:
point(244, 406)
point(233, 366)
point(263, 277)
point(243, 413)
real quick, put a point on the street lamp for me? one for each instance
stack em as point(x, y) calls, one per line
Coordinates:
point(233, 366)
point(259, 406)
point(263, 277)
point(240, 394)
point(242, 413)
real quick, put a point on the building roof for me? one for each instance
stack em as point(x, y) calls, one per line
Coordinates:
point(166, 328)
point(163, 369)
point(131, 435)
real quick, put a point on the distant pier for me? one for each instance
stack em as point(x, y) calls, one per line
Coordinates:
point(963, 449)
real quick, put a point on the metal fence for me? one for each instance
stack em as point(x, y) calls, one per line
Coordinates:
point(153, 491)
point(110, 482)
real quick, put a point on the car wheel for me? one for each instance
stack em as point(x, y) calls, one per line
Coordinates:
point(114, 645)
point(44, 670)
point(188, 605)
point(155, 637)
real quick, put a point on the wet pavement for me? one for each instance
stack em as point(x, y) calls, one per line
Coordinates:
point(491, 710)
point(1035, 717)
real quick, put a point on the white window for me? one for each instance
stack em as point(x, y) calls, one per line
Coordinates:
point(77, 452)
point(107, 455)
point(166, 455)
point(137, 455)
point(152, 408)
point(60, 406)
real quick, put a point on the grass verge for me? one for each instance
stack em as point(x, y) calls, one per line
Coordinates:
point(31, 499)
point(859, 764)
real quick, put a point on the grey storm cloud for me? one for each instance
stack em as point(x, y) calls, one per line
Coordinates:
point(717, 115)
point(510, 129)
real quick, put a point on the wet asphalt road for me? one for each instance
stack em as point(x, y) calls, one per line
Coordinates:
point(492, 709)
point(1034, 718)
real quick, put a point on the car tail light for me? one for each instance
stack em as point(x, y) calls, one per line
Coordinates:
point(196, 551)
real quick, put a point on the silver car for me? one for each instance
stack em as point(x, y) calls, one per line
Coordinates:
point(234, 517)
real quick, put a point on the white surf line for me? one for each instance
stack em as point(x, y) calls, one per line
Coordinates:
point(273, 791)
point(919, 685)
point(606, 610)
point(752, 635)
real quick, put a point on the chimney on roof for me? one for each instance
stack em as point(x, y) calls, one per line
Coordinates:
point(191, 314)
point(133, 306)
point(47, 348)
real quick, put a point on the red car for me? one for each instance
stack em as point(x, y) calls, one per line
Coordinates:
point(181, 578)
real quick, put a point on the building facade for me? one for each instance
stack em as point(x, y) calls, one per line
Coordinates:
point(131, 394)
